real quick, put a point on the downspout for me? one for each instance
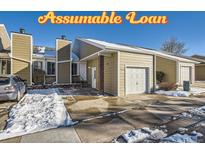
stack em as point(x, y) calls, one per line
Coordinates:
point(178, 75)
point(154, 73)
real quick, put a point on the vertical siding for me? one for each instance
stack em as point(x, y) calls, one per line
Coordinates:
point(4, 40)
point(110, 74)
point(168, 67)
point(192, 66)
point(64, 73)
point(22, 50)
point(137, 60)
point(200, 73)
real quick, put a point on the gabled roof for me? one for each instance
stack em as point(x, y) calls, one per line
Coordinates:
point(122, 47)
point(75, 58)
point(199, 58)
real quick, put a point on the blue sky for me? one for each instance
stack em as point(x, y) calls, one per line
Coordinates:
point(188, 27)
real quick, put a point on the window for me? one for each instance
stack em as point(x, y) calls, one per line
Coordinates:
point(38, 65)
point(50, 68)
point(4, 80)
point(5, 66)
point(74, 68)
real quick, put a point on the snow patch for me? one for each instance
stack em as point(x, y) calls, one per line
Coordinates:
point(197, 91)
point(140, 135)
point(185, 138)
point(39, 110)
point(173, 93)
point(200, 112)
point(181, 93)
point(145, 135)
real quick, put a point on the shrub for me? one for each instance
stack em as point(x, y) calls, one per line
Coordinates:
point(168, 86)
point(160, 76)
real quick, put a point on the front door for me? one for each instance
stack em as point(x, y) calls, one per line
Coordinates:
point(93, 77)
point(185, 74)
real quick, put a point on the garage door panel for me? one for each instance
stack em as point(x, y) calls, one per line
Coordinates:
point(136, 80)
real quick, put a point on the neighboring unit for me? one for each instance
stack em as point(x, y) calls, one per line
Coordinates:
point(18, 56)
point(200, 68)
point(177, 69)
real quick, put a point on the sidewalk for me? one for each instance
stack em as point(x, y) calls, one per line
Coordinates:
point(59, 135)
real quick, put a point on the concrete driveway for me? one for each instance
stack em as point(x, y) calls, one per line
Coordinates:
point(103, 118)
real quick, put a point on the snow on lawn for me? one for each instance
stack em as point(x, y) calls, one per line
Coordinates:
point(200, 111)
point(197, 91)
point(173, 93)
point(182, 138)
point(181, 93)
point(148, 135)
point(39, 110)
point(140, 135)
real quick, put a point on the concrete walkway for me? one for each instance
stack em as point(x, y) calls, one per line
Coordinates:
point(59, 135)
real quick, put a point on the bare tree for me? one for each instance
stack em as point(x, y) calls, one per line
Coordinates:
point(174, 46)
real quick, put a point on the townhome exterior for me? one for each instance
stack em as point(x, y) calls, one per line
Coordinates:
point(112, 68)
point(122, 69)
point(19, 56)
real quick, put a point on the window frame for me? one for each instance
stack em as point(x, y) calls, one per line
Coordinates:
point(7, 70)
point(38, 61)
point(52, 62)
point(77, 72)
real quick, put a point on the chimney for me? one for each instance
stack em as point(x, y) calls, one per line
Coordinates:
point(22, 30)
point(63, 37)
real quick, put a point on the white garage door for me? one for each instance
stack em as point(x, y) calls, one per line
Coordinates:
point(185, 74)
point(136, 80)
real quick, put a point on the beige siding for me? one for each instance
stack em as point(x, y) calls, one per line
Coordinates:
point(90, 49)
point(90, 64)
point(136, 60)
point(63, 66)
point(22, 69)
point(200, 72)
point(64, 73)
point(21, 45)
point(21, 53)
point(192, 66)
point(63, 49)
point(110, 74)
point(168, 67)
point(4, 40)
